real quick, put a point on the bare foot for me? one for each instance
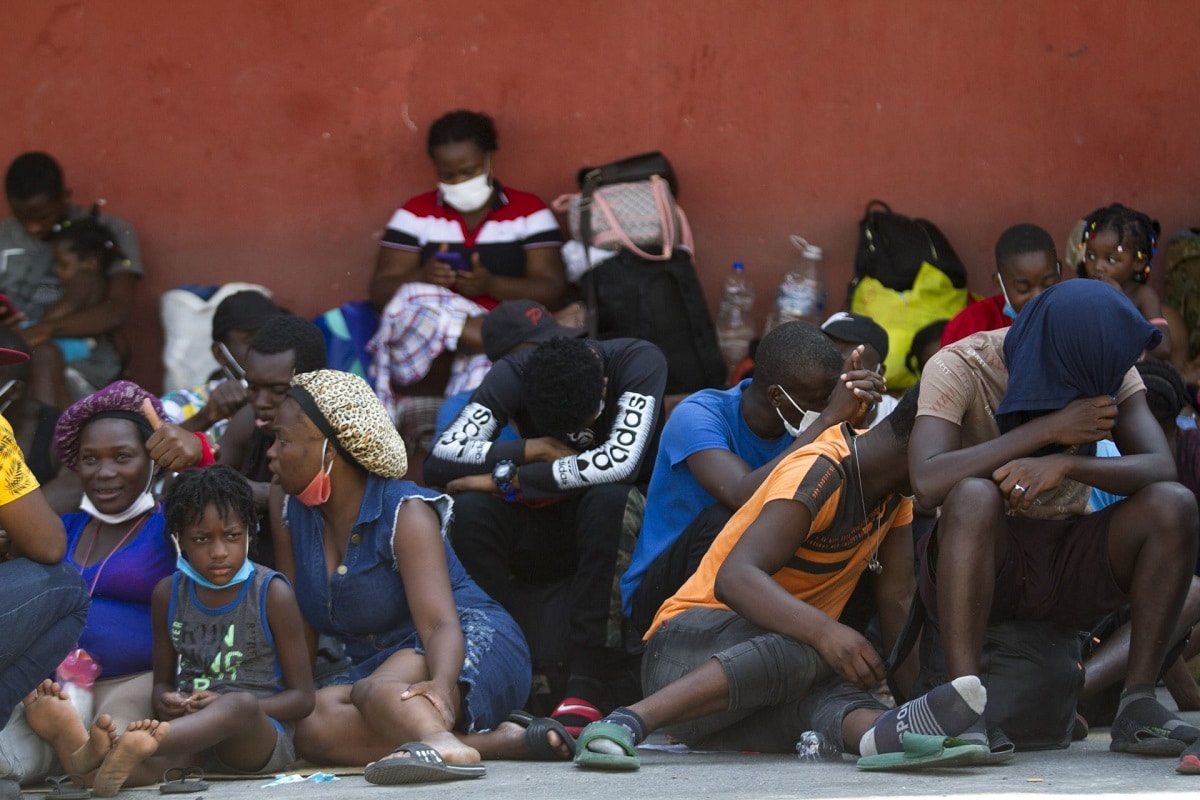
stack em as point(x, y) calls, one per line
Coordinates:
point(101, 738)
point(51, 716)
point(448, 747)
point(140, 740)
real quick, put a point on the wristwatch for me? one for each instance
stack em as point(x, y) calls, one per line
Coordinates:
point(503, 474)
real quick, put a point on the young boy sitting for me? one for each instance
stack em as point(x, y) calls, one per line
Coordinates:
point(232, 673)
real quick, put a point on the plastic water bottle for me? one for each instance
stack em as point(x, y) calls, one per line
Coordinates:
point(735, 321)
point(801, 294)
point(814, 747)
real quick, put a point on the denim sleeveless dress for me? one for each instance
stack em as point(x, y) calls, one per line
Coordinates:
point(365, 605)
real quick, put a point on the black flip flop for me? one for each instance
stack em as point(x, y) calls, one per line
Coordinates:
point(68, 787)
point(423, 764)
point(188, 780)
point(536, 728)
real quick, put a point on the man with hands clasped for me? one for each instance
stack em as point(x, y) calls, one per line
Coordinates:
point(1004, 442)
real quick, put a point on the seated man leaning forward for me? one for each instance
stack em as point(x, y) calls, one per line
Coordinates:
point(1012, 541)
point(552, 505)
point(749, 654)
point(719, 445)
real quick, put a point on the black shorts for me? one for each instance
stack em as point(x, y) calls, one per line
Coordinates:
point(1056, 570)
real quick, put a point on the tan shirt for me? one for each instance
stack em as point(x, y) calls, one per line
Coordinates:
point(964, 384)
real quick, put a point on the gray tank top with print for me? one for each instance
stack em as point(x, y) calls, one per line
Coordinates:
point(227, 649)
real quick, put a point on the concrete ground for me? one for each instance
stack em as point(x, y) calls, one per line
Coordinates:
point(1085, 768)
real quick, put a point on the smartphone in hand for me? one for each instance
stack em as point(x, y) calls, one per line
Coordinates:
point(457, 261)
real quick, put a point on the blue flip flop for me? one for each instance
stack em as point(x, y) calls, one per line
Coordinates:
point(927, 752)
point(423, 764)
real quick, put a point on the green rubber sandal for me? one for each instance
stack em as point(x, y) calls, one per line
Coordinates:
point(927, 752)
point(608, 732)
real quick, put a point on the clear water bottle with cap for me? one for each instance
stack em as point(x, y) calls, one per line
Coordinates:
point(801, 294)
point(735, 321)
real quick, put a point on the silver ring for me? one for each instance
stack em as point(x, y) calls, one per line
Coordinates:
point(1019, 488)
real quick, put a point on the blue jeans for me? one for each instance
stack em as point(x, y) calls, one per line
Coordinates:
point(42, 612)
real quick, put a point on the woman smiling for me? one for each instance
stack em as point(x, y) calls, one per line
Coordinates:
point(117, 541)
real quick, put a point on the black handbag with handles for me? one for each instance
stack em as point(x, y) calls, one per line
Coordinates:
point(626, 170)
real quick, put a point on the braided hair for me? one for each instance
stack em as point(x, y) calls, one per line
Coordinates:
point(1165, 392)
point(1133, 229)
point(89, 238)
point(219, 486)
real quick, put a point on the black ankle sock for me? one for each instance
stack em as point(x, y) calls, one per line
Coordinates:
point(630, 721)
point(1138, 703)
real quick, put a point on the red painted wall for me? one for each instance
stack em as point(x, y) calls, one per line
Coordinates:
point(271, 140)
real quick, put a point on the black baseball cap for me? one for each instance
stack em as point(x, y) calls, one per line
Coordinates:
point(847, 326)
point(515, 322)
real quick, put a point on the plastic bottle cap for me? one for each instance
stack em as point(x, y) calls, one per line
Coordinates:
point(806, 249)
point(738, 266)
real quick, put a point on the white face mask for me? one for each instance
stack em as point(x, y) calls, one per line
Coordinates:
point(807, 418)
point(470, 195)
point(143, 503)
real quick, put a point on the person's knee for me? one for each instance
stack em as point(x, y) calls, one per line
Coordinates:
point(60, 587)
point(968, 506)
point(366, 692)
point(1167, 510)
point(974, 496)
point(237, 706)
point(771, 670)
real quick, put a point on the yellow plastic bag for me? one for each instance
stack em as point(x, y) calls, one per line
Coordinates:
point(931, 298)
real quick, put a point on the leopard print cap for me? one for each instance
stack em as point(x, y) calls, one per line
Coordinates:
point(356, 420)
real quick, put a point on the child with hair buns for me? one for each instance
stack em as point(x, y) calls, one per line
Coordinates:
point(1118, 244)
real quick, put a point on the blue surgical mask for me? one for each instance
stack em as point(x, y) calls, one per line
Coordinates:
point(241, 576)
point(1009, 311)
